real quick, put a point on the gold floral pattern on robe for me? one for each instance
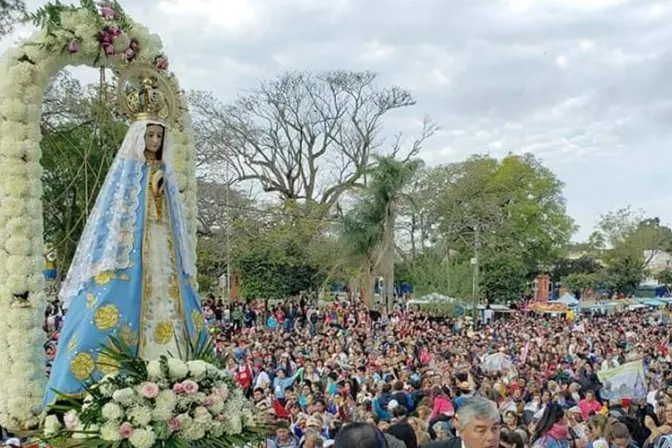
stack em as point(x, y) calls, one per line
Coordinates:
point(106, 317)
point(164, 333)
point(82, 366)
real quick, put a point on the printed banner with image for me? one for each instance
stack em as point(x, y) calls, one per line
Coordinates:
point(496, 362)
point(626, 381)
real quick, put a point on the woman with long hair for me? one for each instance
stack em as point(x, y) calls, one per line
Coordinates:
point(552, 430)
point(596, 431)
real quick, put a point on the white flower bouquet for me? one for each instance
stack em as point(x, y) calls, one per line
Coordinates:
point(168, 402)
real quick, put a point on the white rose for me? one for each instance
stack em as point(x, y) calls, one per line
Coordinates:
point(51, 425)
point(177, 369)
point(202, 416)
point(121, 42)
point(217, 406)
point(235, 424)
point(140, 415)
point(112, 411)
point(198, 369)
point(162, 414)
point(107, 389)
point(124, 397)
point(110, 432)
point(154, 370)
point(166, 398)
point(143, 438)
point(195, 432)
point(185, 421)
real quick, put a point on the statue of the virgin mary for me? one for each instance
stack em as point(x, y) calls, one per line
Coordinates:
point(133, 275)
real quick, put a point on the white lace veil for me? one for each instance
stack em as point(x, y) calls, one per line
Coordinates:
point(108, 240)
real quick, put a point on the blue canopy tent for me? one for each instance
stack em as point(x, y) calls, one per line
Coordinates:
point(651, 302)
point(568, 300)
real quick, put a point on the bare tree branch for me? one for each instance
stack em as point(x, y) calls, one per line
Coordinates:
point(304, 136)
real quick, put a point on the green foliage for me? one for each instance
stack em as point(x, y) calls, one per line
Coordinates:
point(78, 145)
point(504, 276)
point(628, 241)
point(369, 227)
point(513, 206)
point(582, 281)
point(582, 265)
point(664, 277)
point(283, 258)
point(433, 271)
point(626, 270)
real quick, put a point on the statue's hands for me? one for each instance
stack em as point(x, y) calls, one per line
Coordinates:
point(159, 182)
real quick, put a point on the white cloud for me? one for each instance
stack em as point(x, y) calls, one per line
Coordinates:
point(583, 84)
point(232, 15)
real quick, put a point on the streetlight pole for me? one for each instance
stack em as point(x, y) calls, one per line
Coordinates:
point(228, 232)
point(474, 262)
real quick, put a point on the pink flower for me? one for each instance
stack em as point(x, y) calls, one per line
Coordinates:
point(71, 420)
point(126, 430)
point(221, 418)
point(178, 388)
point(190, 387)
point(73, 46)
point(105, 37)
point(150, 390)
point(107, 12)
point(209, 401)
point(114, 31)
point(109, 49)
point(174, 424)
point(134, 44)
point(129, 54)
point(161, 63)
point(223, 392)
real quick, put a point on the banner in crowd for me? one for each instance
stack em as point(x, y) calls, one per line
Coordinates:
point(496, 362)
point(548, 307)
point(626, 381)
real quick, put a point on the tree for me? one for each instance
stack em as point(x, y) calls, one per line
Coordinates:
point(632, 241)
point(302, 136)
point(626, 270)
point(362, 234)
point(632, 231)
point(370, 226)
point(510, 213)
point(664, 277)
point(80, 139)
point(389, 179)
point(279, 259)
point(582, 265)
point(11, 12)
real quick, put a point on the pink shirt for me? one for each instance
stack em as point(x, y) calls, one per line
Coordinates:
point(442, 406)
point(587, 408)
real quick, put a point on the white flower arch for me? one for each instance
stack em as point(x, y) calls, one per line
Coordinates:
point(95, 35)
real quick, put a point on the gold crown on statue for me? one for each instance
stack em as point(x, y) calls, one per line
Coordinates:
point(146, 94)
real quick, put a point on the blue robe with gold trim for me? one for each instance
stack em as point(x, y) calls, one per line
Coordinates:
point(125, 303)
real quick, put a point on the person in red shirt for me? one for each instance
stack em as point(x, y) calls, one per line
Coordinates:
point(589, 405)
point(244, 378)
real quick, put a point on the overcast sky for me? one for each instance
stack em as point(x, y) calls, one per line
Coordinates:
point(586, 85)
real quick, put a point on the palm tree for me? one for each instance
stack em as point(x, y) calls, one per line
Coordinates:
point(369, 228)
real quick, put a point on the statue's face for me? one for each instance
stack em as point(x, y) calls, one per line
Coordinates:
point(153, 138)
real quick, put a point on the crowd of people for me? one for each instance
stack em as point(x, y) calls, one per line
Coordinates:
point(312, 371)
point(410, 379)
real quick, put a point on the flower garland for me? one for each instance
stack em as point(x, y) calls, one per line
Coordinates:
point(166, 403)
point(92, 34)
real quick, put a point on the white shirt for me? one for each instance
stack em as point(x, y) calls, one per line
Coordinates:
point(262, 380)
